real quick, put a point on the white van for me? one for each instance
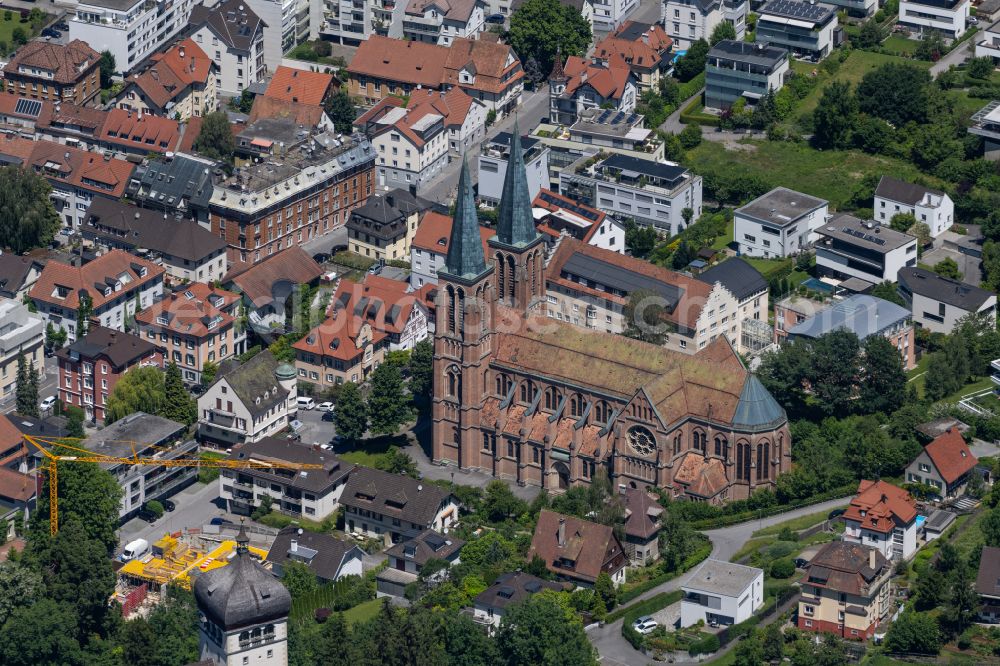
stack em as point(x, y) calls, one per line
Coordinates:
point(135, 549)
point(305, 402)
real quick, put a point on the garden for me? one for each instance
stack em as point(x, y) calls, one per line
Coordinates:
point(16, 31)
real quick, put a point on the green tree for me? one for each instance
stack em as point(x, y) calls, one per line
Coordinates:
point(887, 291)
point(422, 371)
point(208, 371)
point(334, 646)
point(262, 509)
point(75, 416)
point(645, 317)
point(948, 369)
point(42, 634)
point(833, 371)
point(693, 62)
point(243, 103)
point(773, 642)
point(750, 650)
point(178, 404)
point(640, 240)
point(990, 527)
point(929, 590)
point(396, 461)
point(84, 312)
point(28, 219)
point(20, 586)
point(19, 36)
point(488, 550)
point(980, 68)
point(541, 29)
point(963, 602)
point(991, 265)
point(298, 578)
point(914, 632)
point(870, 35)
point(948, 268)
point(467, 644)
point(902, 221)
point(27, 390)
point(138, 390)
point(724, 30)
point(387, 402)
point(282, 350)
point(883, 386)
point(351, 417)
point(690, 136)
point(670, 92)
point(543, 632)
point(215, 141)
point(895, 92)
point(108, 67)
point(500, 503)
point(341, 111)
point(930, 47)
point(605, 588)
point(835, 116)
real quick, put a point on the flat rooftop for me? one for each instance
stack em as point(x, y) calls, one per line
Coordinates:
point(135, 433)
point(756, 53)
point(615, 124)
point(781, 207)
point(722, 578)
point(863, 315)
point(636, 167)
point(800, 10)
point(869, 235)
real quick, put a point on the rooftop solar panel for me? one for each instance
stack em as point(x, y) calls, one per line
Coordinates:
point(28, 107)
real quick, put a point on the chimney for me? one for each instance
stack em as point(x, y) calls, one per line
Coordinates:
point(180, 51)
point(295, 546)
point(871, 559)
point(562, 532)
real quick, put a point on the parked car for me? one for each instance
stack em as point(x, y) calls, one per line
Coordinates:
point(168, 505)
point(495, 18)
point(219, 520)
point(51, 32)
point(836, 513)
point(321, 257)
point(645, 624)
point(325, 406)
point(147, 515)
point(972, 20)
point(62, 25)
point(47, 403)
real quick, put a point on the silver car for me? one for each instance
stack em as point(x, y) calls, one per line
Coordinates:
point(645, 625)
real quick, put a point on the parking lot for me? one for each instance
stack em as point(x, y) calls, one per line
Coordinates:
point(317, 427)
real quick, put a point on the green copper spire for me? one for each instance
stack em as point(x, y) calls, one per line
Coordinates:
point(515, 224)
point(465, 249)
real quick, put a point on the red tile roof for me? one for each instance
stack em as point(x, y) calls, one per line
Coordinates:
point(434, 234)
point(453, 106)
point(588, 546)
point(15, 485)
point(340, 336)
point(9, 435)
point(880, 506)
point(642, 53)
point(69, 63)
point(609, 81)
point(701, 476)
point(88, 170)
point(191, 312)
point(494, 65)
point(299, 86)
point(309, 115)
point(183, 65)
point(951, 455)
point(550, 201)
point(93, 277)
point(416, 63)
point(145, 131)
point(293, 265)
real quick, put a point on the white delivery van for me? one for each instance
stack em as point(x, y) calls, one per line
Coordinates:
point(135, 549)
point(306, 402)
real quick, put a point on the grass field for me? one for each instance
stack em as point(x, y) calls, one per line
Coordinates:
point(722, 242)
point(832, 175)
point(7, 27)
point(363, 611)
point(371, 452)
point(900, 45)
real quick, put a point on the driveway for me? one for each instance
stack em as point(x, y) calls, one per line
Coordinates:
point(968, 266)
point(956, 57)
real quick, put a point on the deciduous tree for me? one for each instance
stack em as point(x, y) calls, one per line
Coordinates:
point(540, 29)
point(883, 386)
point(215, 141)
point(351, 416)
point(387, 403)
point(914, 632)
point(422, 371)
point(834, 116)
point(543, 632)
point(139, 390)
point(724, 30)
point(341, 111)
point(948, 268)
point(896, 92)
point(28, 219)
point(178, 404)
point(693, 62)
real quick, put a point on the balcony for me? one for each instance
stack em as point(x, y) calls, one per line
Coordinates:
point(995, 366)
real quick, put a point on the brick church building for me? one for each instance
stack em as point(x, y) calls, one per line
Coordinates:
point(530, 399)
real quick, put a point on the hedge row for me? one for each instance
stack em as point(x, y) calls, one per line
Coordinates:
point(634, 612)
point(691, 88)
point(732, 519)
point(690, 116)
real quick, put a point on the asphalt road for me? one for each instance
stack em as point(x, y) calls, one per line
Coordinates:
point(195, 507)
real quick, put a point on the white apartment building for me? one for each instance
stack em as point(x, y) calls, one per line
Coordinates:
point(721, 593)
point(781, 223)
point(932, 207)
point(285, 21)
point(232, 35)
point(948, 17)
point(939, 303)
point(130, 29)
point(21, 332)
point(493, 159)
point(989, 44)
point(687, 21)
point(412, 148)
point(849, 247)
point(441, 21)
point(609, 14)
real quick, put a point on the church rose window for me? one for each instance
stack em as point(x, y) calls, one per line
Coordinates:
point(641, 441)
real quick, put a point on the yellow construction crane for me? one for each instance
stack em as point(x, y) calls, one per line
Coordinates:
point(78, 454)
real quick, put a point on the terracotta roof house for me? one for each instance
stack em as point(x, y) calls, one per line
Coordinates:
point(644, 47)
point(17, 274)
point(577, 550)
point(328, 557)
point(441, 21)
point(642, 526)
point(116, 284)
point(988, 585)
point(507, 590)
point(429, 248)
point(301, 86)
point(395, 507)
point(179, 83)
point(582, 84)
point(134, 133)
point(53, 72)
point(847, 591)
point(884, 516)
point(946, 463)
point(266, 285)
point(308, 115)
point(487, 71)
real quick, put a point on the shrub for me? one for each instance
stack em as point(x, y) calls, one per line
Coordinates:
point(783, 568)
point(322, 49)
point(155, 507)
point(706, 645)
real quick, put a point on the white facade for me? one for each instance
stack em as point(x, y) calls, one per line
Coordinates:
point(934, 209)
point(238, 68)
point(493, 170)
point(767, 232)
point(900, 542)
point(21, 332)
point(853, 255)
point(314, 506)
point(131, 32)
point(415, 329)
point(687, 21)
point(939, 317)
point(950, 18)
point(609, 14)
point(472, 130)
point(234, 423)
point(989, 44)
point(434, 26)
point(424, 266)
point(280, 32)
point(111, 314)
point(722, 593)
point(403, 162)
point(262, 645)
point(944, 302)
point(210, 269)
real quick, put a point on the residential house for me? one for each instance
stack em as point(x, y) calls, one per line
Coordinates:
point(781, 223)
point(17, 485)
point(864, 316)
point(849, 247)
point(644, 47)
point(847, 591)
point(148, 436)
point(385, 225)
point(248, 401)
point(938, 303)
point(988, 45)
point(197, 326)
point(17, 274)
point(988, 585)
point(493, 157)
point(556, 216)
point(792, 310)
point(988, 12)
point(441, 21)
point(180, 83)
point(721, 593)
point(642, 526)
point(687, 21)
point(884, 517)
point(736, 69)
point(931, 207)
point(395, 507)
point(604, 129)
point(946, 463)
point(42, 70)
point(21, 333)
point(937, 523)
point(429, 247)
point(950, 18)
point(135, 135)
point(312, 493)
point(301, 86)
point(187, 251)
point(807, 29)
point(90, 367)
point(267, 285)
point(180, 185)
point(581, 84)
point(508, 590)
point(577, 550)
point(411, 555)
point(655, 194)
point(117, 285)
point(487, 71)
point(232, 35)
point(856, 8)
point(329, 558)
point(131, 30)
point(986, 124)
point(750, 289)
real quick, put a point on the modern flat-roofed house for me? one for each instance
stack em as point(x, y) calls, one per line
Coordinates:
point(736, 69)
point(931, 207)
point(578, 550)
point(986, 123)
point(21, 333)
point(847, 591)
point(939, 303)
point(849, 247)
point(988, 46)
point(883, 516)
point(507, 590)
point(806, 28)
point(328, 557)
point(946, 464)
point(493, 157)
point(988, 585)
point(721, 592)
point(781, 223)
point(947, 17)
point(556, 215)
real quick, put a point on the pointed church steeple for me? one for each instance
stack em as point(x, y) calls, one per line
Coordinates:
point(515, 223)
point(465, 249)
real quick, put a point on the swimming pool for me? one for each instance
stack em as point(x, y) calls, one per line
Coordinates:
point(920, 521)
point(815, 284)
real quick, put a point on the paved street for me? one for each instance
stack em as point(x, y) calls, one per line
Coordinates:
point(46, 386)
point(195, 507)
point(956, 57)
point(608, 640)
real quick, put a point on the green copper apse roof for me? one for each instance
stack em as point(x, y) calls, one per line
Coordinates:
point(757, 409)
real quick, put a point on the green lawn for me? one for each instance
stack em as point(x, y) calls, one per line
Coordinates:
point(722, 242)
point(851, 70)
point(370, 452)
point(7, 29)
point(363, 611)
point(795, 524)
point(832, 175)
point(917, 376)
point(900, 45)
point(767, 267)
point(978, 385)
